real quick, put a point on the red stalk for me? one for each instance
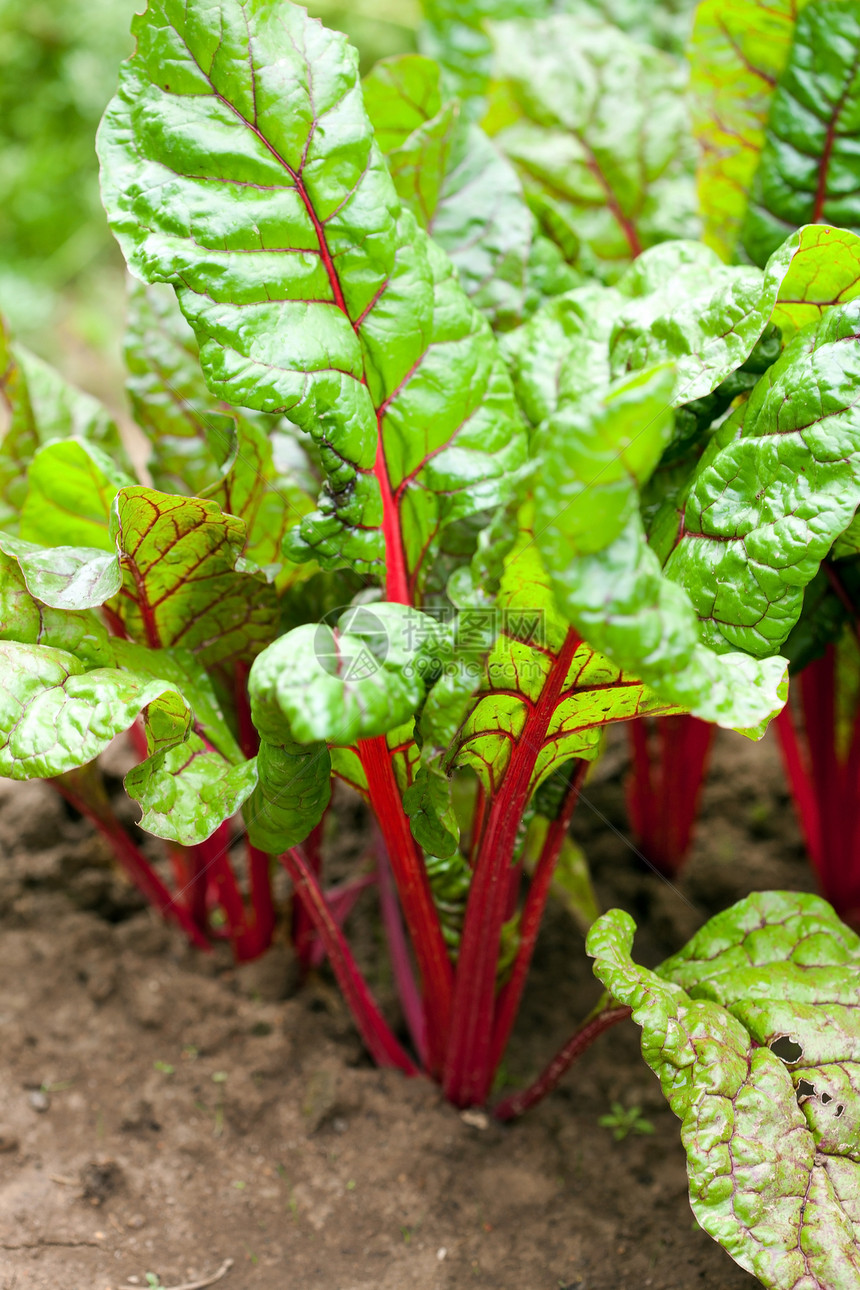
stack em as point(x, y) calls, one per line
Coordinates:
point(260, 880)
point(535, 903)
point(515, 1105)
point(401, 963)
point(416, 898)
point(138, 868)
point(215, 862)
point(303, 927)
point(468, 1070)
point(341, 901)
point(800, 783)
point(665, 789)
point(380, 1042)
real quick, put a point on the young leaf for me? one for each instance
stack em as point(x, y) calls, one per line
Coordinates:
point(546, 694)
point(776, 487)
point(187, 790)
point(622, 178)
point(738, 51)
point(753, 1031)
point(31, 622)
point(42, 406)
point(310, 290)
point(807, 172)
point(183, 583)
point(65, 577)
point(456, 183)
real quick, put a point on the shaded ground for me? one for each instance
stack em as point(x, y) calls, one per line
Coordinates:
point(161, 1112)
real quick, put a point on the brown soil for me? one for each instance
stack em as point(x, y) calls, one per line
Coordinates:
point(162, 1112)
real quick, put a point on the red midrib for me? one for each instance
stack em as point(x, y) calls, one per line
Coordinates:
point(396, 580)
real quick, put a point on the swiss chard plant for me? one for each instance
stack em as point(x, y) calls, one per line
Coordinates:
point(458, 456)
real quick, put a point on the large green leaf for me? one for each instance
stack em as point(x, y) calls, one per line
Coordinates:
point(65, 577)
point(239, 164)
point(621, 178)
point(183, 578)
point(778, 484)
point(738, 51)
point(618, 597)
point(807, 172)
point(455, 181)
point(772, 1142)
point(454, 33)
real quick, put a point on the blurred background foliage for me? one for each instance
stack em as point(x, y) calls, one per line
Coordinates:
point(61, 276)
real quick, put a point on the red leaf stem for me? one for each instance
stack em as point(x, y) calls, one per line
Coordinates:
point(416, 898)
point(468, 1071)
point(515, 1105)
point(535, 903)
point(380, 1042)
point(401, 962)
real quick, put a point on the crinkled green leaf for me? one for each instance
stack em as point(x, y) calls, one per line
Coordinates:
point(363, 678)
point(28, 621)
point(292, 793)
point(71, 485)
point(432, 819)
point(455, 181)
point(778, 484)
point(562, 352)
point(188, 790)
point(455, 34)
point(598, 122)
point(201, 445)
point(239, 164)
point(42, 406)
point(773, 1145)
point(55, 714)
point(738, 51)
point(686, 306)
point(618, 597)
point(183, 579)
point(65, 577)
point(807, 172)
point(545, 695)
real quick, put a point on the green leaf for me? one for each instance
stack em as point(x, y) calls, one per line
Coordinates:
point(292, 793)
point(188, 430)
point(56, 715)
point(432, 819)
point(65, 577)
point(42, 406)
point(617, 597)
point(311, 292)
point(363, 678)
point(545, 695)
point(772, 1143)
point(456, 183)
point(562, 352)
point(807, 172)
point(187, 790)
point(454, 33)
point(31, 622)
point(71, 485)
point(624, 179)
point(779, 483)
point(738, 51)
point(183, 578)
point(707, 317)
point(200, 445)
